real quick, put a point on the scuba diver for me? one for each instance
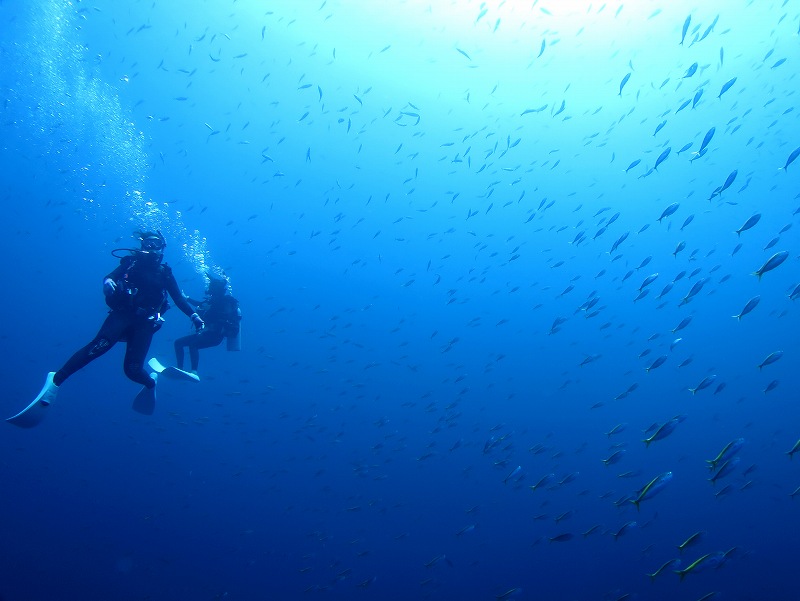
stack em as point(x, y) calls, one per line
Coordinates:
point(221, 314)
point(136, 293)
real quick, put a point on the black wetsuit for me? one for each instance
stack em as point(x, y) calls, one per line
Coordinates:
point(220, 312)
point(136, 308)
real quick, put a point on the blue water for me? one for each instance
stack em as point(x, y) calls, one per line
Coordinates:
point(416, 204)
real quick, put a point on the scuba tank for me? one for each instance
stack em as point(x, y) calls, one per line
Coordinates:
point(234, 333)
point(234, 341)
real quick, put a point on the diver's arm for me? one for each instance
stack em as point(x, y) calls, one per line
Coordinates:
point(175, 293)
point(110, 281)
point(120, 270)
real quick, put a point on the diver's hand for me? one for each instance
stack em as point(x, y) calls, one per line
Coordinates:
point(199, 324)
point(109, 286)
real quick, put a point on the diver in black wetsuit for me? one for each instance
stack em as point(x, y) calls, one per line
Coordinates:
point(136, 291)
point(221, 314)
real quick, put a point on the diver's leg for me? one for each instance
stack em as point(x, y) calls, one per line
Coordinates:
point(179, 344)
point(194, 357)
point(110, 332)
point(140, 335)
point(205, 339)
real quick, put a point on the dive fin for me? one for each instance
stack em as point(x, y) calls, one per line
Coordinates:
point(145, 401)
point(35, 412)
point(173, 373)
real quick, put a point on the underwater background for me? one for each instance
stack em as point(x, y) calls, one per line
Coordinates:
point(483, 251)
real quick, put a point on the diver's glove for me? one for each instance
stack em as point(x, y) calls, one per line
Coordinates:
point(199, 324)
point(109, 286)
